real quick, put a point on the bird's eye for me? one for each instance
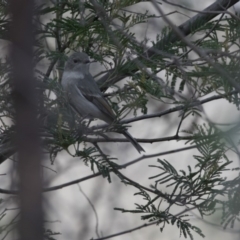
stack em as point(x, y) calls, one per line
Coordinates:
point(75, 60)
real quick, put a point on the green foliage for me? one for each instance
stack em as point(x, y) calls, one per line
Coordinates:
point(49, 234)
point(103, 163)
point(197, 188)
point(231, 210)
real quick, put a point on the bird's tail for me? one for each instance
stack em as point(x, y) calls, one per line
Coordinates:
point(133, 141)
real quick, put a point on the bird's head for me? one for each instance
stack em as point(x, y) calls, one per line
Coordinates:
point(77, 61)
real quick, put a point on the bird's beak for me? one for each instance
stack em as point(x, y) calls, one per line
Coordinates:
point(87, 61)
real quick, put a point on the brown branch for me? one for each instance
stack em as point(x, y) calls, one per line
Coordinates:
point(127, 231)
point(171, 110)
point(58, 187)
point(141, 226)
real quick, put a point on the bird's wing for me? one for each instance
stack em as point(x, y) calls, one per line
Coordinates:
point(92, 93)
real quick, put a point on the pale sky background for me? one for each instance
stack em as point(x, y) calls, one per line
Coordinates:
point(68, 209)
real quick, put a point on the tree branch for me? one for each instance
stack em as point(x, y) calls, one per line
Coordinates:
point(186, 28)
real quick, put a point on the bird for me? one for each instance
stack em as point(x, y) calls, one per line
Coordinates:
point(84, 95)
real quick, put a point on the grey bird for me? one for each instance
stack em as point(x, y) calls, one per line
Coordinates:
point(84, 94)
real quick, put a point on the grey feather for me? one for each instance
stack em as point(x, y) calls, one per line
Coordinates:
point(84, 94)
